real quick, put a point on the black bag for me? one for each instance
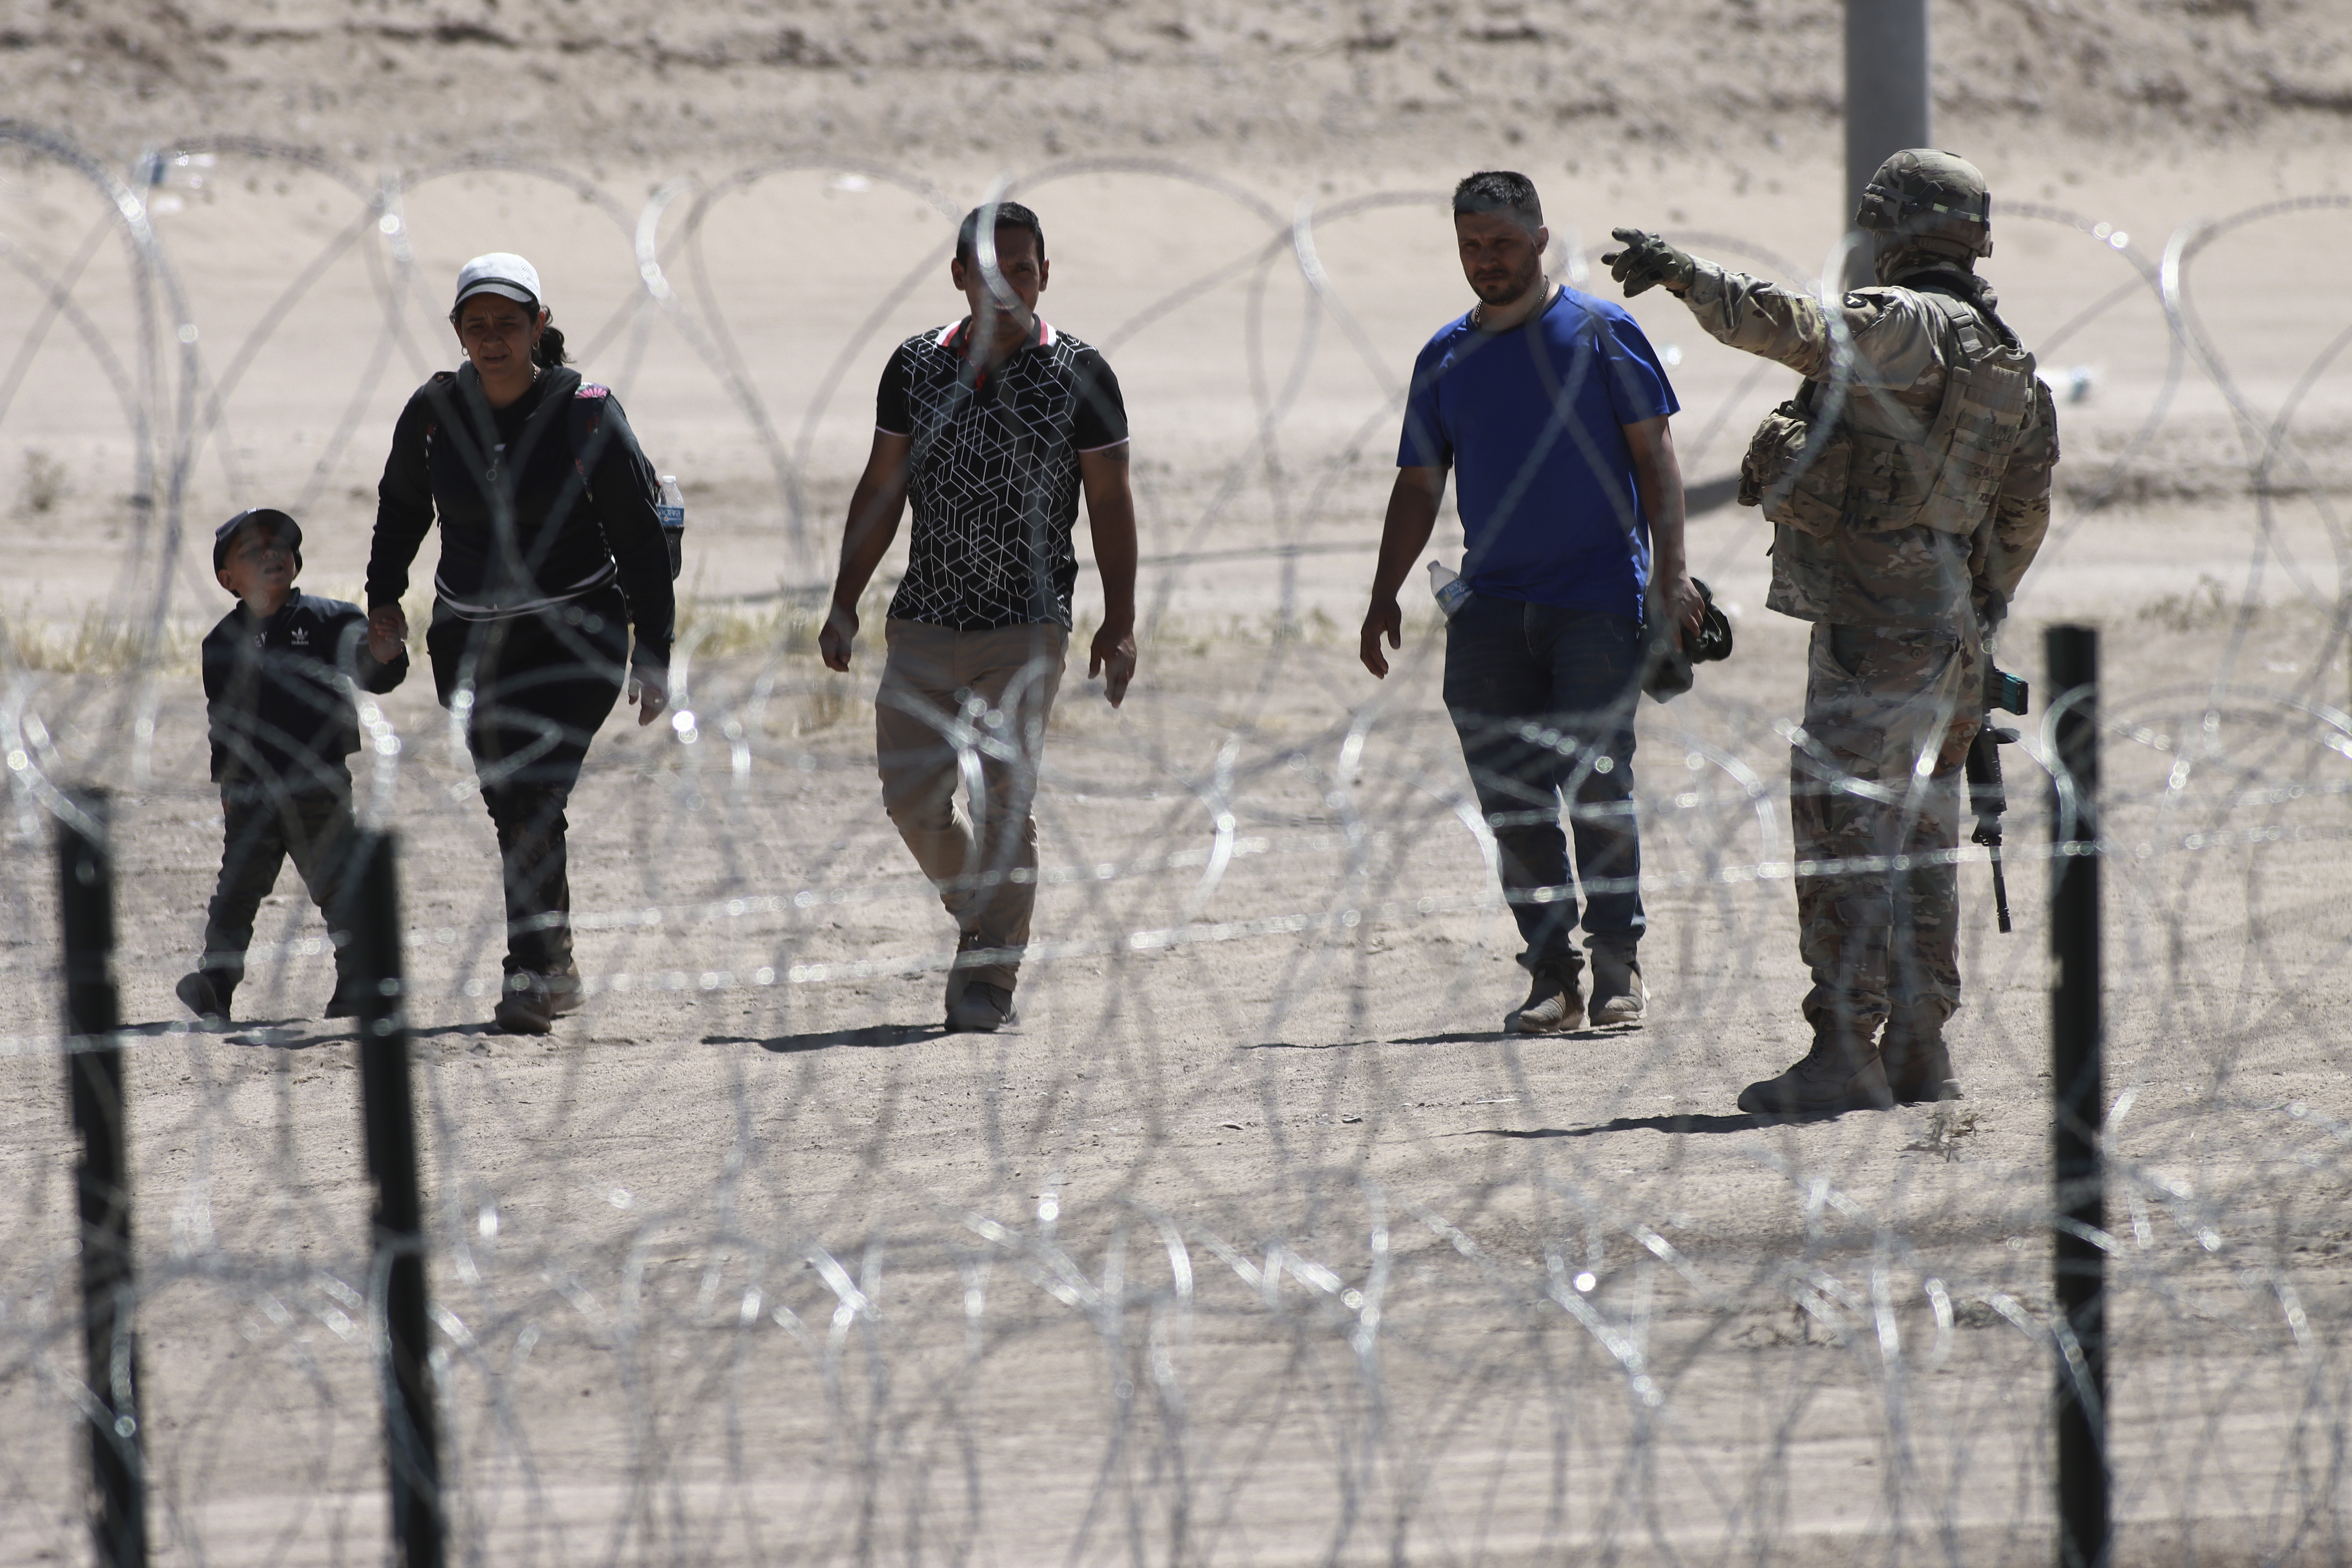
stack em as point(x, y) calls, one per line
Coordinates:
point(1666, 671)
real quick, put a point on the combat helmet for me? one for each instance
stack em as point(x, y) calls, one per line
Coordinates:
point(1929, 201)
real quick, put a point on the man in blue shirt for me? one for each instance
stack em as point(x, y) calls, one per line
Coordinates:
point(1553, 408)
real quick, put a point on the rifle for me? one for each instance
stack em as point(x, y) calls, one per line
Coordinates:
point(1987, 798)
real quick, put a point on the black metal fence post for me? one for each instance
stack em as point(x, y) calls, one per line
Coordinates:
point(118, 1468)
point(2078, 1091)
point(396, 1289)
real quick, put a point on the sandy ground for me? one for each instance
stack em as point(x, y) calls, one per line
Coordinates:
point(1255, 1242)
point(611, 83)
point(1256, 1239)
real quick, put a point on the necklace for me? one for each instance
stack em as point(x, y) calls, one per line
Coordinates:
point(1478, 310)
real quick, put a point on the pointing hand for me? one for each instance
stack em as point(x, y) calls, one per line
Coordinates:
point(1647, 261)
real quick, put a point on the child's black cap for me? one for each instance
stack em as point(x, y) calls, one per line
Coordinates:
point(285, 527)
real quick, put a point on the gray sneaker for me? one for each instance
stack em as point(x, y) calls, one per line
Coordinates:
point(1618, 994)
point(1555, 1004)
point(982, 1009)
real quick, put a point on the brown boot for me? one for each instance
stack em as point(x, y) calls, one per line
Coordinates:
point(1555, 1002)
point(1918, 1069)
point(1840, 1073)
point(1618, 994)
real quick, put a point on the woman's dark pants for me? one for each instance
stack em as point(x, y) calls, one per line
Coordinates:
point(533, 690)
point(1543, 699)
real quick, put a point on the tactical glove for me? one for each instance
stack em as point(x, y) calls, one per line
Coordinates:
point(1992, 608)
point(1647, 261)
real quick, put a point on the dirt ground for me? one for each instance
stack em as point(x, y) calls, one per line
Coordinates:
point(1278, 84)
point(1256, 1242)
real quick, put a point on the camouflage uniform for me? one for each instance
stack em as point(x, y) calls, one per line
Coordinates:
point(1902, 562)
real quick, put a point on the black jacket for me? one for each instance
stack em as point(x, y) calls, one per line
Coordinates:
point(273, 700)
point(453, 455)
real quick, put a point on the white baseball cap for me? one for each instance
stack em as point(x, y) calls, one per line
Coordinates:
point(501, 272)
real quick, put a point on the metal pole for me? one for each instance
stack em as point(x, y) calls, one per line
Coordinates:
point(1888, 103)
point(397, 1291)
point(2079, 1100)
point(118, 1469)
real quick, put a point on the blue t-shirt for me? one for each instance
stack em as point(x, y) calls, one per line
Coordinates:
point(1550, 514)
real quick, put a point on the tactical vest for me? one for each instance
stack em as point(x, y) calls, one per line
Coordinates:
point(1848, 505)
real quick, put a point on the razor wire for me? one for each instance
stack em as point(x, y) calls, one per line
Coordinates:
point(1257, 1242)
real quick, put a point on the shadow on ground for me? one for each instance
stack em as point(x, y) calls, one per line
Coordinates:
point(874, 1038)
point(1471, 1037)
point(282, 1033)
point(1741, 1123)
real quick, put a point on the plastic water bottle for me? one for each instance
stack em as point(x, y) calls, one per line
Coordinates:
point(671, 510)
point(1450, 591)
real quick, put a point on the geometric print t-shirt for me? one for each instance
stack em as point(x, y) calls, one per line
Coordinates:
point(993, 473)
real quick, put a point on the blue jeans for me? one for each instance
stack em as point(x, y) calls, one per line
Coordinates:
point(1543, 699)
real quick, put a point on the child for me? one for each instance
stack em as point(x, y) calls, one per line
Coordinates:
point(282, 727)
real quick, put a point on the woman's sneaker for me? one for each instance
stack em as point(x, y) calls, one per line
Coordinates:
point(203, 993)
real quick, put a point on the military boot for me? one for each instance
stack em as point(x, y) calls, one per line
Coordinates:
point(1918, 1069)
point(1840, 1073)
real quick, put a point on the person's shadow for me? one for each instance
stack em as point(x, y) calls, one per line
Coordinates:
point(873, 1037)
point(1463, 1037)
point(277, 1034)
point(297, 1034)
point(1684, 1123)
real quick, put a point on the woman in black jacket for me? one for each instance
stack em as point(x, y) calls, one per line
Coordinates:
point(550, 551)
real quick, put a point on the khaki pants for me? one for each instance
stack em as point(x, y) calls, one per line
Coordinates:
point(971, 707)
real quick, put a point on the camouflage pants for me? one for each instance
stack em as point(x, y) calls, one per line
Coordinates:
point(1874, 792)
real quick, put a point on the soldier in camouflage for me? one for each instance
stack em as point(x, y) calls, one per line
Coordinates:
point(1908, 487)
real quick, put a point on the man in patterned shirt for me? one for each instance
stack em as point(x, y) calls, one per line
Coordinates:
point(992, 427)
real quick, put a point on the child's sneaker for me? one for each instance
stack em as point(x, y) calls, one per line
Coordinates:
point(203, 995)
